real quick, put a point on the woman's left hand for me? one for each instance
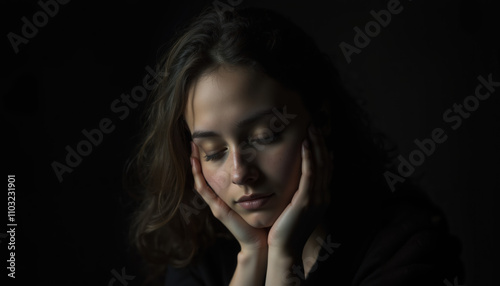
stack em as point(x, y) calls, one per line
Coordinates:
point(298, 220)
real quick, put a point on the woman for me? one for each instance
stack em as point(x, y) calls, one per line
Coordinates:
point(252, 118)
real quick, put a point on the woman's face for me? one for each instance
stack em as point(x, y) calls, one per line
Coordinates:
point(249, 131)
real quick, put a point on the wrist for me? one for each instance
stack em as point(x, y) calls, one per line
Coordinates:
point(281, 267)
point(251, 250)
point(252, 257)
point(282, 258)
point(285, 254)
point(247, 254)
point(251, 267)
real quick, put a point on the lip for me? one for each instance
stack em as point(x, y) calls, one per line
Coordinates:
point(253, 201)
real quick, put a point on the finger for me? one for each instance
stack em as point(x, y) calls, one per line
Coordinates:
point(218, 207)
point(200, 184)
point(305, 184)
point(194, 150)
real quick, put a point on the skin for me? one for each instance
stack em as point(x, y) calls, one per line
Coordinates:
point(250, 160)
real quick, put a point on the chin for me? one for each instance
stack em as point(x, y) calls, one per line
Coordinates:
point(260, 220)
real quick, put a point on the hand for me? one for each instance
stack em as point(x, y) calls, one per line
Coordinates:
point(249, 238)
point(293, 227)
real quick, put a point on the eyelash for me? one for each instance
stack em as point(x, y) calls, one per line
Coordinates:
point(267, 140)
point(213, 157)
point(272, 139)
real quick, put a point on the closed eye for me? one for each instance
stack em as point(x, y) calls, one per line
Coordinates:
point(215, 156)
point(265, 139)
point(260, 140)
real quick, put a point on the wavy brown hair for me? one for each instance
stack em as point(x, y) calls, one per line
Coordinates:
point(269, 43)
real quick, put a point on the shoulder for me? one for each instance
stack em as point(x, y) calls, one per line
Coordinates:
point(412, 246)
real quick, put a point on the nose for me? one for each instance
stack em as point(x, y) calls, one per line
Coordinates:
point(243, 171)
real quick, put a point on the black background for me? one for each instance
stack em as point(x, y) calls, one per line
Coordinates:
point(64, 80)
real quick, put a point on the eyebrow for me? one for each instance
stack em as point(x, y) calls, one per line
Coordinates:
point(242, 123)
point(204, 134)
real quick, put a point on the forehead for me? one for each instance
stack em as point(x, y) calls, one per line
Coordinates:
point(226, 95)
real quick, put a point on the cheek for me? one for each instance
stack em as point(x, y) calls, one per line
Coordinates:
point(218, 179)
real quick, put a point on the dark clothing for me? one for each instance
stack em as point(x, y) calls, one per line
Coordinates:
point(400, 242)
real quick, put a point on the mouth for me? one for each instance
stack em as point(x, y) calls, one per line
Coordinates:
point(253, 202)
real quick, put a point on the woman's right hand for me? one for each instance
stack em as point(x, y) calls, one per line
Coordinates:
point(250, 239)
